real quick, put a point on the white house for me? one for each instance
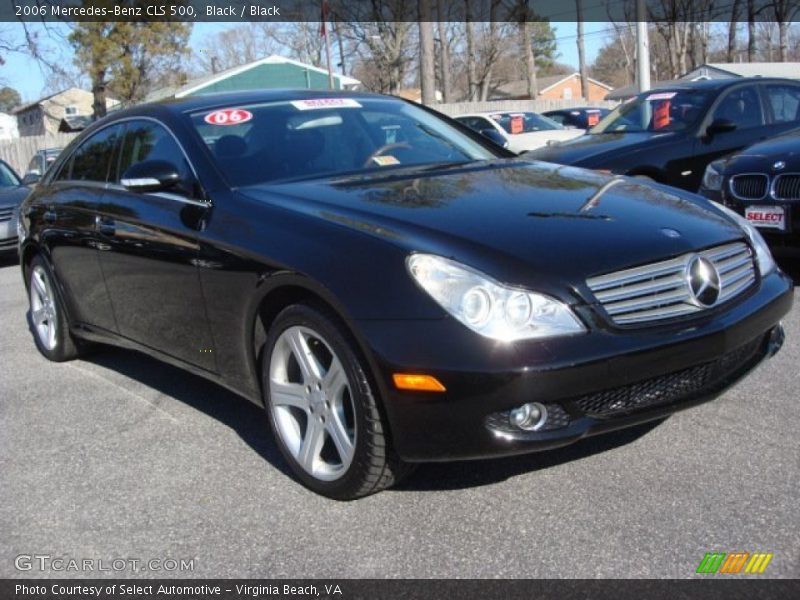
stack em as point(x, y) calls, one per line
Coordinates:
point(8, 127)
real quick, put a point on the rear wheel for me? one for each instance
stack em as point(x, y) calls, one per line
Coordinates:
point(322, 408)
point(48, 318)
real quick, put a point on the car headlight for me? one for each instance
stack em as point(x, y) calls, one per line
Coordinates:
point(766, 263)
point(489, 308)
point(712, 178)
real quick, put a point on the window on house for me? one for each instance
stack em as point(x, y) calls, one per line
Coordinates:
point(71, 111)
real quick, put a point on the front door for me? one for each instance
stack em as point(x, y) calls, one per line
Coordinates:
point(150, 251)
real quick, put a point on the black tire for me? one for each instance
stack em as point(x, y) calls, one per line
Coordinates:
point(374, 466)
point(65, 346)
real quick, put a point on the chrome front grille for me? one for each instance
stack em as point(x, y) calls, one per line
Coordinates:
point(749, 186)
point(6, 213)
point(661, 290)
point(786, 187)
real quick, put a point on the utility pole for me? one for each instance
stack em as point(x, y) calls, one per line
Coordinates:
point(642, 47)
point(582, 52)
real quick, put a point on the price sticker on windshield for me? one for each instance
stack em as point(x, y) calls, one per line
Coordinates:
point(322, 103)
point(660, 96)
point(228, 116)
point(661, 114)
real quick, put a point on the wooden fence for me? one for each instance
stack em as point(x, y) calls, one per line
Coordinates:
point(18, 153)
point(540, 105)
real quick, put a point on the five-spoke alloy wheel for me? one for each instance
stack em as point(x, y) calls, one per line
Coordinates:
point(322, 407)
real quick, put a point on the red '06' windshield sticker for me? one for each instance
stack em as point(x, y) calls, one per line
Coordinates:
point(228, 116)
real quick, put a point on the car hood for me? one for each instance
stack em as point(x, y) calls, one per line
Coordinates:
point(13, 196)
point(761, 157)
point(586, 150)
point(514, 216)
point(536, 139)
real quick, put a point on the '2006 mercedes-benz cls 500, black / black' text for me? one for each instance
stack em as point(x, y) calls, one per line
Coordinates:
point(391, 287)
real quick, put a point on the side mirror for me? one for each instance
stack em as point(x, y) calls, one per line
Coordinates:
point(495, 137)
point(151, 176)
point(31, 178)
point(720, 126)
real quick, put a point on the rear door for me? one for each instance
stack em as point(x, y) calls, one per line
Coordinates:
point(782, 101)
point(72, 201)
point(150, 252)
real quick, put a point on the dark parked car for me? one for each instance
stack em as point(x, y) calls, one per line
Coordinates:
point(12, 193)
point(672, 133)
point(579, 117)
point(762, 183)
point(39, 163)
point(391, 287)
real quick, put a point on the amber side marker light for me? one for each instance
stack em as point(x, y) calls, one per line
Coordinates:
point(417, 383)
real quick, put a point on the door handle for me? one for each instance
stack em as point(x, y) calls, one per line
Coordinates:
point(105, 225)
point(50, 216)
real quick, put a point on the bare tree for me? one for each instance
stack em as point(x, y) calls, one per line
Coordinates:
point(236, 46)
point(732, 27)
point(470, 57)
point(444, 52)
point(383, 36)
point(427, 65)
point(783, 11)
point(751, 30)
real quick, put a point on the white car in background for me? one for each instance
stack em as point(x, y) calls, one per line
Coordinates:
point(522, 130)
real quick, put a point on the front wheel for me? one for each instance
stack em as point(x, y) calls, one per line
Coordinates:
point(323, 409)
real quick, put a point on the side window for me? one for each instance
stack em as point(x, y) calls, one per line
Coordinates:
point(145, 140)
point(784, 100)
point(476, 123)
point(34, 165)
point(742, 106)
point(91, 161)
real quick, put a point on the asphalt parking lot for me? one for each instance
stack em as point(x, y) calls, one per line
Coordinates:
point(119, 456)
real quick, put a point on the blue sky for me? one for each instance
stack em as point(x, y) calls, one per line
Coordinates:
point(26, 75)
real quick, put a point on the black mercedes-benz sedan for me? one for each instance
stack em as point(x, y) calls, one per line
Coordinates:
point(390, 286)
point(762, 183)
point(671, 134)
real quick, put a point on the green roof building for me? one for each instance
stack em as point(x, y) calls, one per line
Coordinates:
point(267, 73)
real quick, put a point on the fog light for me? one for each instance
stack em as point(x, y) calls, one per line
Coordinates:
point(530, 416)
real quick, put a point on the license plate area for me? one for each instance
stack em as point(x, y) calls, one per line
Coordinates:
point(767, 217)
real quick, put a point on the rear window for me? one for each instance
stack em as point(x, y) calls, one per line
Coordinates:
point(303, 139)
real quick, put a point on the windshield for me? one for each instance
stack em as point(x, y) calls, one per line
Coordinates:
point(7, 176)
point(655, 111)
point(323, 137)
point(524, 122)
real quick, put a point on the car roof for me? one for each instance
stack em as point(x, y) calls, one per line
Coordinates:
point(209, 101)
point(575, 108)
point(716, 84)
point(488, 113)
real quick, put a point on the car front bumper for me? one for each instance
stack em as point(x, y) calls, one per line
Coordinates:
point(788, 237)
point(604, 380)
point(8, 235)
